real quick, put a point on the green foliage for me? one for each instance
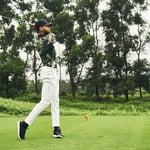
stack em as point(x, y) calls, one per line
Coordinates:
point(141, 73)
point(56, 6)
point(138, 19)
point(134, 107)
point(12, 77)
point(31, 97)
point(86, 13)
point(78, 106)
point(116, 22)
point(12, 107)
point(64, 88)
point(63, 28)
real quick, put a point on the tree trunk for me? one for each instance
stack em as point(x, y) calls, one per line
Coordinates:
point(139, 74)
point(126, 95)
point(73, 88)
point(97, 92)
point(73, 85)
point(140, 90)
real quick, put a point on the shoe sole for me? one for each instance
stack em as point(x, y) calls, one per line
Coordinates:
point(18, 126)
point(58, 136)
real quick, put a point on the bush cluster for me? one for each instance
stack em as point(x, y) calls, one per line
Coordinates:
point(78, 107)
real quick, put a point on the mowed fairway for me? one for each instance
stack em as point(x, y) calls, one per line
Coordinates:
point(99, 133)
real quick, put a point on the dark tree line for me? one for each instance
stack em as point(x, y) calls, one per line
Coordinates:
point(77, 25)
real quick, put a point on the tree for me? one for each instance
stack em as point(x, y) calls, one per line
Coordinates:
point(88, 19)
point(79, 55)
point(141, 74)
point(116, 22)
point(140, 40)
point(12, 76)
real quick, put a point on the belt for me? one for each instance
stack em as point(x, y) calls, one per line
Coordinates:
point(52, 66)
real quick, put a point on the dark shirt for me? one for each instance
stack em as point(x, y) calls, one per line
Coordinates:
point(47, 50)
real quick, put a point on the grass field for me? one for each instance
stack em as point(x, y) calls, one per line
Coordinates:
point(99, 133)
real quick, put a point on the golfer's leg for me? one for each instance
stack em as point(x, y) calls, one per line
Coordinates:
point(55, 104)
point(45, 101)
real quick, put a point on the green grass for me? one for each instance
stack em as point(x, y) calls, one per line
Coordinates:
point(99, 133)
point(80, 107)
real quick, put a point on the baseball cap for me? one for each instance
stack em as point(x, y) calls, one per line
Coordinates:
point(40, 23)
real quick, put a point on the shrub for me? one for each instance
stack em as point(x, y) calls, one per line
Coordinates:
point(33, 97)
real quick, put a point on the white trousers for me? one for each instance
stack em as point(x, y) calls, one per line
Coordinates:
point(49, 96)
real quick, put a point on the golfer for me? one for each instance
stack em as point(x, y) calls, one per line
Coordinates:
point(50, 81)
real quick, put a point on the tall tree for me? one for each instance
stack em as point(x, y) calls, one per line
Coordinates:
point(12, 76)
point(116, 22)
point(88, 19)
point(141, 38)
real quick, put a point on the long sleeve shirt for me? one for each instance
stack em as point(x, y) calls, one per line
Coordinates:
point(46, 49)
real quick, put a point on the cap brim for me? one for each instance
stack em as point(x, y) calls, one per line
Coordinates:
point(48, 24)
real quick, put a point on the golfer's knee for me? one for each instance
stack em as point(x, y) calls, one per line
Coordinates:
point(44, 102)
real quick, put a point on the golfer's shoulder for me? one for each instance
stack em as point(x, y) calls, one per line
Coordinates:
point(52, 37)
